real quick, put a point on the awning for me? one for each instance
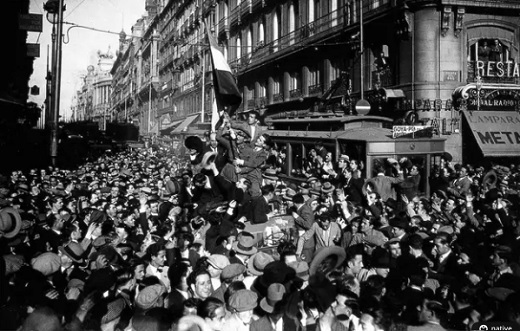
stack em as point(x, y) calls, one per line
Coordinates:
point(390, 93)
point(184, 125)
point(169, 128)
point(497, 133)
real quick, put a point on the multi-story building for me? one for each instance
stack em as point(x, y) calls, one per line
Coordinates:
point(304, 64)
point(93, 100)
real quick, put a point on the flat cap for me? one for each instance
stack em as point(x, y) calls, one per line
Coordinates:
point(233, 270)
point(243, 300)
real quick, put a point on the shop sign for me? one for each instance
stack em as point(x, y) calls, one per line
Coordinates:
point(498, 69)
point(495, 99)
point(496, 133)
point(412, 131)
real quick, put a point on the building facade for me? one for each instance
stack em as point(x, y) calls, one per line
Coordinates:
point(420, 62)
point(93, 100)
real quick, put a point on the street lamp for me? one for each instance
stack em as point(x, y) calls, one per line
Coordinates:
point(478, 85)
point(55, 10)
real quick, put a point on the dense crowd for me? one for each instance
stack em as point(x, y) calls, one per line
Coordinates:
point(146, 240)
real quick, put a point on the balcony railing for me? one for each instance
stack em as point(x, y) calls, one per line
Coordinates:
point(315, 89)
point(277, 97)
point(303, 35)
point(296, 93)
point(234, 16)
point(245, 8)
point(223, 26)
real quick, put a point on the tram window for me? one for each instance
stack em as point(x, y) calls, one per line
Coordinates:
point(297, 158)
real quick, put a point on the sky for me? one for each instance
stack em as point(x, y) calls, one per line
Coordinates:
point(83, 44)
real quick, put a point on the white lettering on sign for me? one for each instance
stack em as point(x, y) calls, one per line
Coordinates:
point(402, 130)
point(498, 69)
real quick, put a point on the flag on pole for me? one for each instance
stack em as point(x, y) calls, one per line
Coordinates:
point(227, 95)
point(215, 115)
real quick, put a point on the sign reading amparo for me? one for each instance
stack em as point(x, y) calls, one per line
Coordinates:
point(497, 134)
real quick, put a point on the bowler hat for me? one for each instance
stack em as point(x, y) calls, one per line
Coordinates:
point(194, 142)
point(275, 293)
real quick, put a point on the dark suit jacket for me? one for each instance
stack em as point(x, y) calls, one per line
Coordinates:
point(259, 210)
point(447, 271)
point(176, 303)
point(354, 190)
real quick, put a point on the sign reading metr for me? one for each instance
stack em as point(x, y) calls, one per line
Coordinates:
point(497, 134)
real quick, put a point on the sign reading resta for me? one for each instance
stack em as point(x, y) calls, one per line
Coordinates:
point(498, 69)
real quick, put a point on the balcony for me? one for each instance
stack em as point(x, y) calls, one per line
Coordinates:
point(234, 17)
point(223, 27)
point(295, 94)
point(245, 9)
point(277, 97)
point(309, 33)
point(260, 102)
point(257, 4)
point(315, 89)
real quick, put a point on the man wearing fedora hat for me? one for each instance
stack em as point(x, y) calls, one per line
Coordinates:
point(243, 248)
point(255, 267)
point(274, 307)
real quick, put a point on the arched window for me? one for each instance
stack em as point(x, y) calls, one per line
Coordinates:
point(261, 32)
point(311, 16)
point(239, 48)
point(249, 41)
point(276, 27)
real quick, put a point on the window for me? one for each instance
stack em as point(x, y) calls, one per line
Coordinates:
point(490, 50)
point(239, 48)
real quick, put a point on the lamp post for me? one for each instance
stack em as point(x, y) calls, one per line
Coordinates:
point(478, 85)
point(55, 10)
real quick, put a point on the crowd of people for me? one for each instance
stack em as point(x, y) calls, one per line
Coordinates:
point(144, 239)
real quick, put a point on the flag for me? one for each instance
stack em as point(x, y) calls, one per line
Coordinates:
point(227, 95)
point(215, 115)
